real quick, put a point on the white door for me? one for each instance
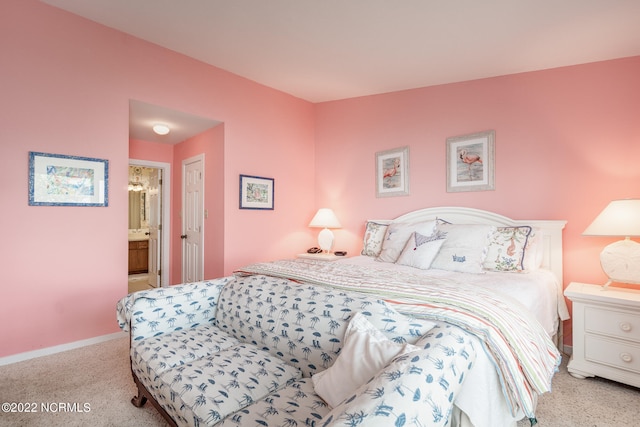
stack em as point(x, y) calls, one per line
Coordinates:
point(193, 219)
point(155, 226)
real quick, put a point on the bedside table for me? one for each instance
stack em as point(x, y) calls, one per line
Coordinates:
point(321, 257)
point(606, 333)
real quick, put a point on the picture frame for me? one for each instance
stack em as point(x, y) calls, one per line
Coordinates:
point(61, 180)
point(392, 172)
point(471, 162)
point(256, 192)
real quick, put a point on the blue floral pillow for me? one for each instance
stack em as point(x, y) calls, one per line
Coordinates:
point(416, 388)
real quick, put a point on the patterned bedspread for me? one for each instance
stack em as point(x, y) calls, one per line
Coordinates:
point(524, 354)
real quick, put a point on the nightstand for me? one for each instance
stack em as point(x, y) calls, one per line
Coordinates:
point(321, 257)
point(606, 333)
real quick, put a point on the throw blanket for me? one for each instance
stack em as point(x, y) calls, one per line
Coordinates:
point(524, 354)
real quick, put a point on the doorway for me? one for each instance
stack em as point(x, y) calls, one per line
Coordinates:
point(153, 231)
point(188, 136)
point(193, 215)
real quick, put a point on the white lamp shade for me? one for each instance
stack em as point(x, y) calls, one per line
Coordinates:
point(620, 260)
point(325, 218)
point(619, 218)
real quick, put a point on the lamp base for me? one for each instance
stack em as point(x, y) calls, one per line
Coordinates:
point(325, 240)
point(621, 262)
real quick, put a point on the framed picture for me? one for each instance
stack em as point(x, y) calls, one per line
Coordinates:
point(58, 180)
point(392, 172)
point(256, 192)
point(470, 162)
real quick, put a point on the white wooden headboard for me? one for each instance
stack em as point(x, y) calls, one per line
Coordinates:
point(551, 230)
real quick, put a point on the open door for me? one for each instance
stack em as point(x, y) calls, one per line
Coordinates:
point(155, 226)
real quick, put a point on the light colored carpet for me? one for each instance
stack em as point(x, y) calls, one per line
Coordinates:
point(99, 376)
point(590, 402)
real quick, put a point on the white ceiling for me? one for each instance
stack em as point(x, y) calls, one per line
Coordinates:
point(143, 116)
point(322, 50)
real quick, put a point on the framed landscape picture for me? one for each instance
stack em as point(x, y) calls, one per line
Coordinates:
point(256, 192)
point(470, 162)
point(59, 180)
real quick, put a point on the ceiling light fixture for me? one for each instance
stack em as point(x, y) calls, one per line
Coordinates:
point(161, 129)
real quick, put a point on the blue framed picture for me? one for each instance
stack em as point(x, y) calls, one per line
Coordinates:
point(256, 192)
point(59, 180)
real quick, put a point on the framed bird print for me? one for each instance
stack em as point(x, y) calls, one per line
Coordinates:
point(392, 172)
point(470, 162)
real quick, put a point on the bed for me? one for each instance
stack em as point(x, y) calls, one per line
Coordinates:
point(498, 278)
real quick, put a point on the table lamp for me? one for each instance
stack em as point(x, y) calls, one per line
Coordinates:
point(325, 219)
point(620, 260)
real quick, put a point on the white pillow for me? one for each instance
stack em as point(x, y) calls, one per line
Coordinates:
point(418, 388)
point(366, 351)
point(373, 236)
point(465, 247)
point(420, 250)
point(397, 235)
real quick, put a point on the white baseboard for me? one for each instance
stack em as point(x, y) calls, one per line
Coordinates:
point(20, 357)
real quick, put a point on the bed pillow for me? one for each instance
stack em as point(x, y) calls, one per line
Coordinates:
point(365, 352)
point(421, 250)
point(397, 235)
point(418, 386)
point(465, 247)
point(507, 249)
point(374, 233)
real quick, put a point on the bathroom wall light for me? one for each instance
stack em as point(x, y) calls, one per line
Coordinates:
point(161, 129)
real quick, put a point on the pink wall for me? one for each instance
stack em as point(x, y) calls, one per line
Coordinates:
point(66, 83)
point(567, 143)
point(151, 151)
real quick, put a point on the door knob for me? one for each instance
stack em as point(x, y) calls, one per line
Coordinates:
point(183, 236)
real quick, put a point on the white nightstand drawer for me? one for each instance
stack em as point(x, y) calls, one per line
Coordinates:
point(613, 323)
point(612, 353)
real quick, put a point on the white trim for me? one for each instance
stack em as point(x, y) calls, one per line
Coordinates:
point(551, 230)
point(21, 357)
point(197, 158)
point(166, 213)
